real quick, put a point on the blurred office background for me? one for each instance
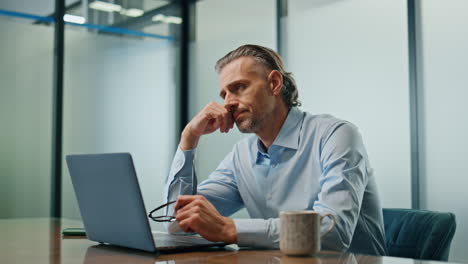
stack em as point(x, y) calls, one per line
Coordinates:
point(134, 73)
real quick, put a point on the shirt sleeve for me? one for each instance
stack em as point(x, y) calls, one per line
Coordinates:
point(220, 188)
point(343, 181)
point(179, 180)
point(259, 233)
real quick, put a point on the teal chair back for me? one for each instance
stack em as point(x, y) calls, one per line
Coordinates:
point(418, 234)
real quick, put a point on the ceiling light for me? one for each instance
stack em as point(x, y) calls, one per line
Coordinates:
point(167, 19)
point(174, 20)
point(132, 12)
point(74, 19)
point(104, 6)
point(158, 18)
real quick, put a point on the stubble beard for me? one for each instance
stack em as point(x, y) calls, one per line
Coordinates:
point(251, 124)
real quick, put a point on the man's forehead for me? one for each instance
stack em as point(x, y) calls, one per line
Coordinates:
point(242, 67)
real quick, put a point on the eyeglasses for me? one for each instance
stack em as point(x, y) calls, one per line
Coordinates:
point(170, 218)
point(161, 218)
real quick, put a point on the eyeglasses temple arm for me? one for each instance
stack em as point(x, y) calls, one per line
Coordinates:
point(160, 207)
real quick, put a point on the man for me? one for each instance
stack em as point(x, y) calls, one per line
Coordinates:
point(295, 161)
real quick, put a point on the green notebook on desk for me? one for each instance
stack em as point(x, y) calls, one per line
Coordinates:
point(75, 231)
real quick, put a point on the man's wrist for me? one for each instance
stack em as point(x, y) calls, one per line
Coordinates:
point(188, 140)
point(231, 232)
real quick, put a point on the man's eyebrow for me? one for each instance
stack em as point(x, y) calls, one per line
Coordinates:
point(232, 84)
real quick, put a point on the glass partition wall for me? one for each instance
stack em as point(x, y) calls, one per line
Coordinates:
point(351, 61)
point(443, 61)
point(120, 90)
point(121, 66)
point(26, 52)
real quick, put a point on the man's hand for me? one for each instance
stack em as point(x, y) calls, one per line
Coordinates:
point(195, 213)
point(214, 116)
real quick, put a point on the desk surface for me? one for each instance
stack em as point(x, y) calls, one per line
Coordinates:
point(33, 240)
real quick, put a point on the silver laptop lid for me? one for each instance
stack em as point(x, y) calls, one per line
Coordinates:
point(110, 200)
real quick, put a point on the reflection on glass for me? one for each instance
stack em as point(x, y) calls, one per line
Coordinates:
point(151, 17)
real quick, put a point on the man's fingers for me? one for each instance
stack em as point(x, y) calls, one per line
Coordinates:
point(222, 116)
point(200, 216)
point(194, 221)
point(184, 200)
point(222, 123)
point(192, 209)
point(205, 121)
point(230, 119)
point(223, 120)
point(215, 119)
point(215, 116)
point(227, 123)
point(187, 224)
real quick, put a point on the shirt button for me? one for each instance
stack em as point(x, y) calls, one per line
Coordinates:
point(273, 166)
point(269, 196)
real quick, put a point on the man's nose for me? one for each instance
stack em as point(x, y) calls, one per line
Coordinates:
point(230, 103)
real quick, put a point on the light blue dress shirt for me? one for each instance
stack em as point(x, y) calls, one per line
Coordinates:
point(317, 162)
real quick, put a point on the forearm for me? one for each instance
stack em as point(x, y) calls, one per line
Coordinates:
point(188, 140)
point(257, 233)
point(260, 233)
point(229, 231)
point(179, 180)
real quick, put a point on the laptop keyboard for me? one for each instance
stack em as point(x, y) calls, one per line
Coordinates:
point(167, 240)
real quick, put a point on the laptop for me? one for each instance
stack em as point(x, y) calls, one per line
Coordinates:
point(112, 207)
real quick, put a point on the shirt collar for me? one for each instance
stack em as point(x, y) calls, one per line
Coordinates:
point(288, 136)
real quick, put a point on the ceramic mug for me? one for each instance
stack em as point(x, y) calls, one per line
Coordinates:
point(300, 232)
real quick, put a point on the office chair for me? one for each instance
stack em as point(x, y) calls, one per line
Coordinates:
point(418, 234)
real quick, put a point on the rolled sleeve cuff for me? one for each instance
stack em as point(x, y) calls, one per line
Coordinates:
point(257, 233)
point(179, 180)
point(183, 161)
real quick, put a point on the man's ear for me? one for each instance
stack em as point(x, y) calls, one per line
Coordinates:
point(276, 82)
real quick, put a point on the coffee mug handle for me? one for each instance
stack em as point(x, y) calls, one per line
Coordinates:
point(332, 226)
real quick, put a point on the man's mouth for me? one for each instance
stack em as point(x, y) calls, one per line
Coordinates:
point(237, 114)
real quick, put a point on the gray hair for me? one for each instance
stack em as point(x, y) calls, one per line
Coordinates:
point(270, 60)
